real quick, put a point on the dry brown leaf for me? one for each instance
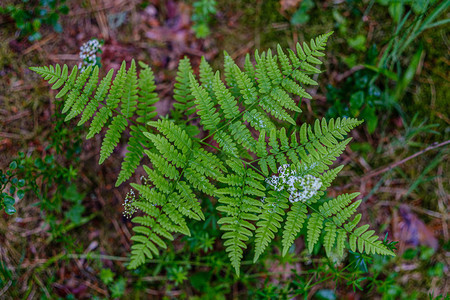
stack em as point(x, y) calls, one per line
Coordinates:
point(289, 5)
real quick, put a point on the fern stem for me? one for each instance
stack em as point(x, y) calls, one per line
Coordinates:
point(229, 155)
point(230, 121)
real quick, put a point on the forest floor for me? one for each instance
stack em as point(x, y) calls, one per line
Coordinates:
point(400, 167)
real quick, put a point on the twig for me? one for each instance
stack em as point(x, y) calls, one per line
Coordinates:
point(97, 256)
point(39, 282)
point(17, 116)
point(348, 73)
point(443, 203)
point(396, 164)
point(40, 43)
point(59, 57)
point(5, 288)
point(431, 213)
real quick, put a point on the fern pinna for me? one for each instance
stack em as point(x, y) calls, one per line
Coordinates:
point(268, 174)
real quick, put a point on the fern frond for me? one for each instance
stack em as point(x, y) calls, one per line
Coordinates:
point(226, 100)
point(318, 150)
point(246, 87)
point(79, 106)
point(240, 209)
point(180, 170)
point(142, 101)
point(335, 213)
point(100, 94)
point(249, 68)
point(147, 96)
point(130, 91)
point(135, 95)
point(368, 242)
point(182, 92)
point(264, 83)
point(118, 125)
point(156, 224)
point(294, 223)
point(208, 114)
point(271, 218)
point(206, 75)
point(133, 156)
point(116, 91)
point(99, 121)
point(106, 112)
point(75, 90)
point(315, 225)
point(329, 238)
point(229, 68)
point(298, 213)
point(243, 118)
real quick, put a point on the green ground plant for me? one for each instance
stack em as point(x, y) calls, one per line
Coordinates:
point(11, 185)
point(375, 92)
point(51, 179)
point(248, 132)
point(29, 16)
point(202, 17)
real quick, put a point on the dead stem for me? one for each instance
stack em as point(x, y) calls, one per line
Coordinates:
point(396, 164)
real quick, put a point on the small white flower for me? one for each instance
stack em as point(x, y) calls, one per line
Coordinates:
point(88, 53)
point(128, 208)
point(299, 188)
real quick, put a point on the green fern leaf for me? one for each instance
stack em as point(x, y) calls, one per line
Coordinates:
point(315, 225)
point(79, 105)
point(76, 89)
point(133, 156)
point(208, 114)
point(206, 75)
point(330, 238)
point(294, 222)
point(99, 121)
point(147, 97)
point(182, 92)
point(240, 207)
point(100, 95)
point(270, 220)
point(118, 125)
point(130, 91)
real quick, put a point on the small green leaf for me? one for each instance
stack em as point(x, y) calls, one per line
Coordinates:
point(10, 210)
point(12, 189)
point(20, 194)
point(396, 11)
point(72, 194)
point(325, 295)
point(357, 100)
point(118, 288)
point(74, 214)
point(371, 118)
point(426, 253)
point(21, 183)
point(36, 24)
point(13, 165)
point(38, 163)
point(107, 276)
point(8, 200)
point(358, 42)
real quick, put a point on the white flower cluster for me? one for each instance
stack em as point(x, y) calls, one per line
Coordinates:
point(128, 208)
point(299, 188)
point(88, 54)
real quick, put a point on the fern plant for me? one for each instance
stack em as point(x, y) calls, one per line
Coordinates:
point(248, 132)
